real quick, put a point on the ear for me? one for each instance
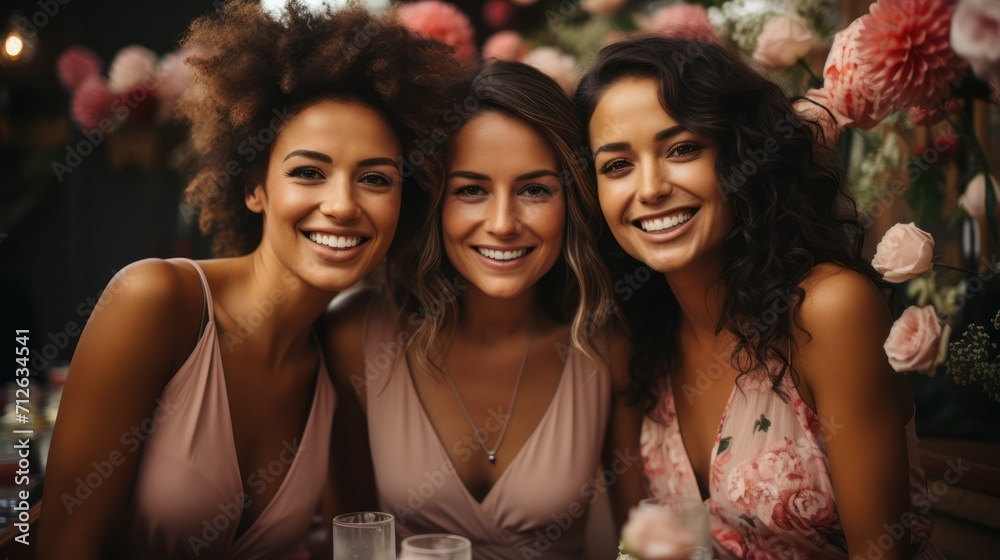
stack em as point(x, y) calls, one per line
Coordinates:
point(256, 199)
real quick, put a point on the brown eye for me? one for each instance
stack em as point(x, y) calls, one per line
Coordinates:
point(376, 179)
point(612, 166)
point(683, 150)
point(307, 173)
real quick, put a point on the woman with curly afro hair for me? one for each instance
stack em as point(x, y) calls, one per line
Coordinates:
point(759, 327)
point(197, 416)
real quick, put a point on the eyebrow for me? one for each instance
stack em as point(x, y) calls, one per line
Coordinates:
point(523, 177)
point(659, 137)
point(370, 162)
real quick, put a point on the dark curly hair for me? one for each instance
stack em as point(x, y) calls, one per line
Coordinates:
point(576, 290)
point(791, 210)
point(251, 73)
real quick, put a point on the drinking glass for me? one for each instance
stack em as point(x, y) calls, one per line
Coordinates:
point(688, 523)
point(436, 547)
point(367, 535)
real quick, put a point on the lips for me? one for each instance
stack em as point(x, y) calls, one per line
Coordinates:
point(504, 254)
point(337, 241)
point(665, 222)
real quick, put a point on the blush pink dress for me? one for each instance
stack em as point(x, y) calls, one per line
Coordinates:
point(770, 492)
point(538, 504)
point(186, 498)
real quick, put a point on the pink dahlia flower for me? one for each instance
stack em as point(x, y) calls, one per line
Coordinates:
point(850, 89)
point(906, 50)
point(441, 21)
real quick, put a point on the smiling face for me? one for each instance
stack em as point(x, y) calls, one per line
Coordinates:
point(504, 208)
point(656, 180)
point(331, 197)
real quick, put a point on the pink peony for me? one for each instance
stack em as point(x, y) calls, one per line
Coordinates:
point(906, 51)
point(916, 341)
point(441, 21)
point(783, 41)
point(601, 8)
point(684, 21)
point(974, 199)
point(92, 102)
point(850, 90)
point(132, 66)
point(557, 65)
point(805, 509)
point(655, 534)
point(905, 252)
point(975, 36)
point(819, 108)
point(497, 13)
point(172, 76)
point(927, 116)
point(505, 45)
point(75, 65)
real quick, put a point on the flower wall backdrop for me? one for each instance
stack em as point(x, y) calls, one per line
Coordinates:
point(905, 90)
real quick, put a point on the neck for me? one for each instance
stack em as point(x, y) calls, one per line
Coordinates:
point(484, 318)
point(699, 292)
point(274, 309)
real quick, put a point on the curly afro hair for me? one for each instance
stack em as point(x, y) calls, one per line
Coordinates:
point(250, 73)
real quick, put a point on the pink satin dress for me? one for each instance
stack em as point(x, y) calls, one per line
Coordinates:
point(187, 496)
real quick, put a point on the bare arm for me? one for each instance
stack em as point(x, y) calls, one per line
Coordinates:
point(621, 443)
point(136, 338)
point(862, 403)
point(351, 471)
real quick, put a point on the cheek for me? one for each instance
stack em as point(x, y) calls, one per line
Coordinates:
point(384, 212)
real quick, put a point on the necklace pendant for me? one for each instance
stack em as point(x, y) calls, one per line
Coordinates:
point(493, 459)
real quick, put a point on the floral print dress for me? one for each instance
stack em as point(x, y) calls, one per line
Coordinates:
point(770, 492)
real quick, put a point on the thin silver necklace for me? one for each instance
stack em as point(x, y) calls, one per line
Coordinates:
point(491, 454)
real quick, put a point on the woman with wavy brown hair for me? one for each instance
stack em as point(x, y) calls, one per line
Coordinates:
point(758, 346)
point(492, 367)
point(195, 421)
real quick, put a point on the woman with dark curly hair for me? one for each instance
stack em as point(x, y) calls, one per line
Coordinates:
point(759, 344)
point(490, 363)
point(196, 418)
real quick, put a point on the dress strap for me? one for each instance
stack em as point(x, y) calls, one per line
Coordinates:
point(206, 294)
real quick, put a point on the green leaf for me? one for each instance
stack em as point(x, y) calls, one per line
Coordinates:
point(762, 424)
point(724, 444)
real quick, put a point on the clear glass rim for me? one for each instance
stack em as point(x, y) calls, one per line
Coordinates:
point(346, 519)
point(461, 543)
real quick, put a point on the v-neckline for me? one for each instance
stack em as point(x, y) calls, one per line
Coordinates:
point(237, 540)
point(715, 446)
point(517, 456)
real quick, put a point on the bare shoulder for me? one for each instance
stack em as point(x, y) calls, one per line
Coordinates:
point(834, 293)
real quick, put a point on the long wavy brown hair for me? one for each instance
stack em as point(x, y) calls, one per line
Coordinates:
point(791, 210)
point(577, 289)
point(251, 73)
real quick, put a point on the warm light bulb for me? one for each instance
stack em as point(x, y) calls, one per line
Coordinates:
point(13, 46)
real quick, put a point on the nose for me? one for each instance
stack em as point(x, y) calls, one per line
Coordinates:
point(502, 220)
point(654, 184)
point(338, 199)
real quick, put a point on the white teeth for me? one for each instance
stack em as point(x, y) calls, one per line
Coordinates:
point(659, 224)
point(335, 241)
point(502, 255)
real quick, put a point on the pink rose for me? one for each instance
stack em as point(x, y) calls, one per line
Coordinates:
point(441, 21)
point(557, 65)
point(905, 252)
point(505, 45)
point(655, 534)
point(684, 21)
point(601, 8)
point(92, 102)
point(975, 36)
point(76, 64)
point(783, 41)
point(132, 66)
point(974, 199)
point(804, 510)
point(916, 341)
